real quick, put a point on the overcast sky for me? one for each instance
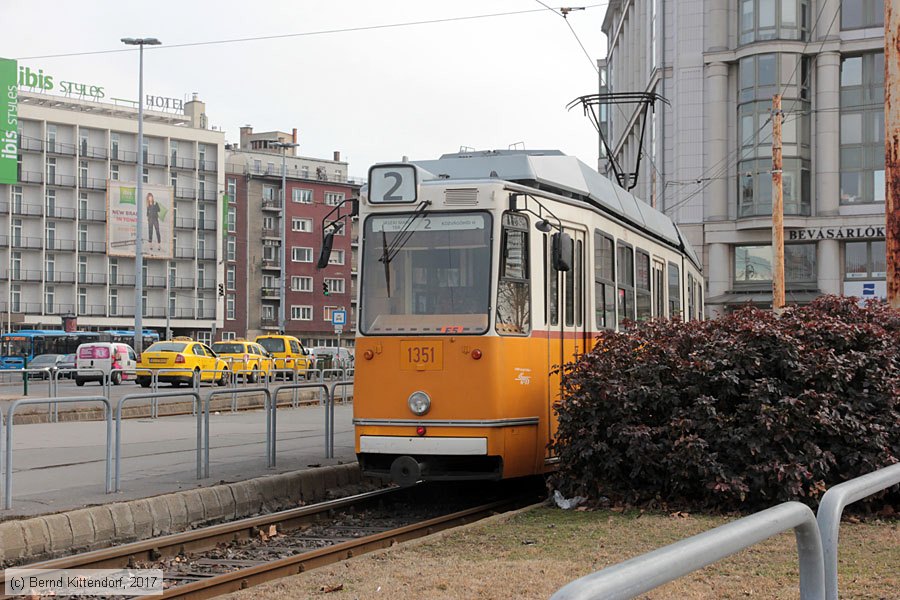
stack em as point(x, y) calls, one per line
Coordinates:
point(375, 95)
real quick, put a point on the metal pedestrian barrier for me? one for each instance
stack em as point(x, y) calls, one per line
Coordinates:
point(53, 408)
point(832, 506)
point(329, 417)
point(272, 412)
point(653, 569)
point(154, 397)
point(205, 411)
point(9, 436)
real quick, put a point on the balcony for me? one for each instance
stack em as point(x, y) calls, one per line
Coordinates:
point(155, 281)
point(271, 293)
point(182, 283)
point(185, 193)
point(16, 275)
point(206, 313)
point(207, 165)
point(87, 246)
point(271, 263)
point(208, 224)
point(184, 223)
point(31, 177)
point(92, 278)
point(86, 214)
point(60, 148)
point(92, 183)
point(124, 156)
point(186, 164)
point(30, 144)
point(271, 233)
point(206, 284)
point(60, 212)
point(184, 252)
point(207, 196)
point(268, 322)
point(27, 210)
point(60, 277)
point(57, 244)
point(155, 311)
point(18, 241)
point(271, 204)
point(93, 152)
point(60, 180)
point(121, 280)
point(206, 253)
point(156, 160)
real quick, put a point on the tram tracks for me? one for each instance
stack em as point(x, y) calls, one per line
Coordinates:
point(232, 556)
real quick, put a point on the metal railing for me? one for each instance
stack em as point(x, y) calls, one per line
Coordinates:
point(154, 397)
point(272, 415)
point(832, 506)
point(653, 569)
point(9, 437)
point(266, 409)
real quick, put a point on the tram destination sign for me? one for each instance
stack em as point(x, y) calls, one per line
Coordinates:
point(428, 223)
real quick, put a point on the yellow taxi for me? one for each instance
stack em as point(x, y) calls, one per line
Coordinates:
point(248, 359)
point(288, 352)
point(180, 360)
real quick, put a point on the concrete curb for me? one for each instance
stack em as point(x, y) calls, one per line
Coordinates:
point(49, 536)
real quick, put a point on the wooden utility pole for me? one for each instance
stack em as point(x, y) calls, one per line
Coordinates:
point(892, 151)
point(777, 209)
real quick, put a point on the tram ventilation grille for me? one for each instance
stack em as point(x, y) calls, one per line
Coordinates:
point(461, 197)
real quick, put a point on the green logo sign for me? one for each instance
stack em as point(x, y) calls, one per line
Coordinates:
point(126, 195)
point(9, 122)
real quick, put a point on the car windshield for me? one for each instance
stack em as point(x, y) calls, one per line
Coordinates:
point(44, 359)
point(228, 348)
point(272, 344)
point(167, 347)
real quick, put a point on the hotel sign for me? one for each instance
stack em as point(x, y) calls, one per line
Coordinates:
point(9, 122)
point(835, 233)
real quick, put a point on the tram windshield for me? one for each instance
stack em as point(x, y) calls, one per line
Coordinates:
point(427, 274)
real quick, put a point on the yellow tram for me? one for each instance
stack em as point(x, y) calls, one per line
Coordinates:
point(479, 273)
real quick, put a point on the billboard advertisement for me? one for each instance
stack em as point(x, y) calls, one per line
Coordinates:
point(156, 206)
point(9, 121)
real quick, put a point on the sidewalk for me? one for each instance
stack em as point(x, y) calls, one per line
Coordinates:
point(61, 466)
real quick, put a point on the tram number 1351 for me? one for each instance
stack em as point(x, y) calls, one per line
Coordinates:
point(419, 355)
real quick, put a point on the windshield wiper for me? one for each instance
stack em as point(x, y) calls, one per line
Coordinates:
point(404, 235)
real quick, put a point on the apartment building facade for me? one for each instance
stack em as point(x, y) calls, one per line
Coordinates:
point(54, 220)
point(707, 156)
point(254, 226)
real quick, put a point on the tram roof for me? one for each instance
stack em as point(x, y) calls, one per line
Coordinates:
point(556, 172)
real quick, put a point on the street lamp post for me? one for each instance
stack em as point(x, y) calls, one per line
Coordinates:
point(139, 202)
point(283, 293)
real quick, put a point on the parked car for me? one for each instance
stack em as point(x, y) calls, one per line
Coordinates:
point(332, 357)
point(99, 359)
point(44, 361)
point(68, 362)
point(248, 359)
point(288, 352)
point(180, 361)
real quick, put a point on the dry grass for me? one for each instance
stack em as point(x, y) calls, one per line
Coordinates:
point(533, 553)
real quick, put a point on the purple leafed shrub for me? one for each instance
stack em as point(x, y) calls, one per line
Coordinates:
point(736, 413)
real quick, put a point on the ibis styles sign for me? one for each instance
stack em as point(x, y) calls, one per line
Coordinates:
point(9, 122)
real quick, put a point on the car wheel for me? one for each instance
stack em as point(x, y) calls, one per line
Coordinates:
point(221, 381)
point(79, 382)
point(253, 377)
point(144, 382)
point(116, 378)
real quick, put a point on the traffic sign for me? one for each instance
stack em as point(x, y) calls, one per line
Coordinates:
point(338, 317)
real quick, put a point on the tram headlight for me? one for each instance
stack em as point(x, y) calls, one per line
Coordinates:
point(419, 403)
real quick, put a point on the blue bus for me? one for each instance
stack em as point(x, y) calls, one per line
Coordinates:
point(126, 336)
point(19, 347)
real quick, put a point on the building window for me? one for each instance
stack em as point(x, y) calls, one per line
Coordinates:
point(857, 14)
point(230, 277)
point(146, 175)
point(15, 297)
point(302, 196)
point(230, 248)
point(328, 311)
point(862, 129)
point(114, 172)
point(301, 313)
point(337, 257)
point(229, 308)
point(113, 303)
point(865, 260)
point(269, 193)
point(334, 198)
point(301, 284)
point(231, 190)
point(335, 286)
point(228, 335)
point(82, 300)
point(232, 219)
point(301, 225)
point(773, 19)
point(760, 77)
point(299, 254)
point(754, 264)
point(49, 298)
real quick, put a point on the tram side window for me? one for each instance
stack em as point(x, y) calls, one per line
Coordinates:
point(552, 276)
point(674, 291)
point(579, 283)
point(569, 278)
point(692, 301)
point(625, 281)
point(642, 285)
point(604, 281)
point(514, 290)
point(659, 305)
